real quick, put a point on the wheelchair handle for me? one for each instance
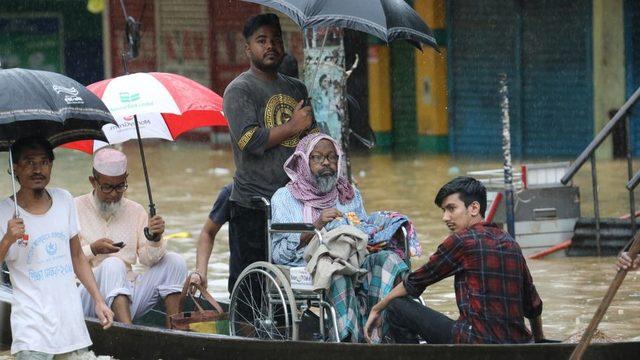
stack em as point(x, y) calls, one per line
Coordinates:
point(264, 202)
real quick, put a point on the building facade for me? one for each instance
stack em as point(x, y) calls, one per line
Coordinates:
point(569, 63)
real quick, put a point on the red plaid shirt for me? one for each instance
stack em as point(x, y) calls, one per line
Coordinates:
point(494, 289)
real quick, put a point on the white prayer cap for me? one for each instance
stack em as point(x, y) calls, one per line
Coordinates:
point(110, 162)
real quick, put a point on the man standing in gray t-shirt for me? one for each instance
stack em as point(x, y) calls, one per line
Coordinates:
point(266, 120)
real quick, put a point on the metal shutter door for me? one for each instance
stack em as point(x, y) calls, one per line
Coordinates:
point(481, 45)
point(632, 45)
point(557, 92)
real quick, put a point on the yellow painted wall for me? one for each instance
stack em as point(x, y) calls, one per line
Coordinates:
point(379, 88)
point(431, 74)
point(608, 63)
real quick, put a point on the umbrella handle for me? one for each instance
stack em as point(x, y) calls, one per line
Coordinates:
point(147, 233)
point(150, 236)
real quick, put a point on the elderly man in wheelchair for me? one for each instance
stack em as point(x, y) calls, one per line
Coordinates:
point(321, 203)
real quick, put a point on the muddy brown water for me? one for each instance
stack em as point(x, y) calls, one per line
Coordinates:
point(186, 178)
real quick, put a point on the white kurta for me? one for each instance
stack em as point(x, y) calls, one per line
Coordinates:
point(113, 272)
point(126, 225)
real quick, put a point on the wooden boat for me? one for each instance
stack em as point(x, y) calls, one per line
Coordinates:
point(148, 342)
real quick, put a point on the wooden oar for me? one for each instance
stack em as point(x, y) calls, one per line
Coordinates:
point(606, 301)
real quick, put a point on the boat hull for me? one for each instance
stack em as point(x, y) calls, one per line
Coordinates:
point(140, 342)
point(146, 342)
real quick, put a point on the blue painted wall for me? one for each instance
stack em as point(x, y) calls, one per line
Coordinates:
point(632, 64)
point(544, 47)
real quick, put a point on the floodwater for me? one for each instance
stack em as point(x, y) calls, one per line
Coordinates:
point(186, 178)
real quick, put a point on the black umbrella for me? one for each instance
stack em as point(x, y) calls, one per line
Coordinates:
point(48, 105)
point(388, 20)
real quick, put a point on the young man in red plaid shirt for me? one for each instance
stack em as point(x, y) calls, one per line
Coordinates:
point(494, 289)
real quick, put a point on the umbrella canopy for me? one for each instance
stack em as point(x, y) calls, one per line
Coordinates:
point(166, 105)
point(388, 20)
point(50, 105)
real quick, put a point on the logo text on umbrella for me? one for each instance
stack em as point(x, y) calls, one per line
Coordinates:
point(126, 97)
point(70, 94)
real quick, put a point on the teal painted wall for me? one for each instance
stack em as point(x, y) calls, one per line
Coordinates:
point(403, 107)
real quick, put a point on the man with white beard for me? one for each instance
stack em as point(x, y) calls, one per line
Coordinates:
point(112, 237)
point(317, 193)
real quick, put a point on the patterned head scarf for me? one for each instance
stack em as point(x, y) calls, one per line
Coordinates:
point(303, 183)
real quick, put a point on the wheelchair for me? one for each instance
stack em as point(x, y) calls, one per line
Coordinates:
point(266, 304)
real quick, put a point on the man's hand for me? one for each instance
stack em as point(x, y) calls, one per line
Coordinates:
point(326, 216)
point(624, 262)
point(103, 246)
point(374, 321)
point(198, 279)
point(105, 315)
point(15, 230)
point(156, 225)
point(301, 118)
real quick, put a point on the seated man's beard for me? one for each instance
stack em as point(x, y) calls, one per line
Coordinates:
point(326, 181)
point(106, 209)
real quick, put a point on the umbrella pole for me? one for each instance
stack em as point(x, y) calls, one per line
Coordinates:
point(152, 206)
point(13, 185)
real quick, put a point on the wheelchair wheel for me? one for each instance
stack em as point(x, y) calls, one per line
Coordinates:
point(262, 304)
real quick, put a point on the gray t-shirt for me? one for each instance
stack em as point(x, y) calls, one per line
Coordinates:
point(253, 106)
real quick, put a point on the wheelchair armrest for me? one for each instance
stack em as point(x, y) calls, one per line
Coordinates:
point(293, 227)
point(296, 228)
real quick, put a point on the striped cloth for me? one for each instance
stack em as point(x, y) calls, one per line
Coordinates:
point(354, 298)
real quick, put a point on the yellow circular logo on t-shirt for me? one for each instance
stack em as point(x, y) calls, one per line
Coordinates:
point(278, 111)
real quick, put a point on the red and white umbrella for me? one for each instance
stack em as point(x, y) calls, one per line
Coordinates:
point(166, 106)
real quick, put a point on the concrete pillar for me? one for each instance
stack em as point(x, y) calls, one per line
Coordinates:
point(608, 64)
point(431, 82)
point(378, 68)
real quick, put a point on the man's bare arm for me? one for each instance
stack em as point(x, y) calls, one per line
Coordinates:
point(15, 231)
point(398, 291)
point(84, 273)
point(5, 244)
point(301, 120)
point(375, 313)
point(204, 249)
point(82, 268)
